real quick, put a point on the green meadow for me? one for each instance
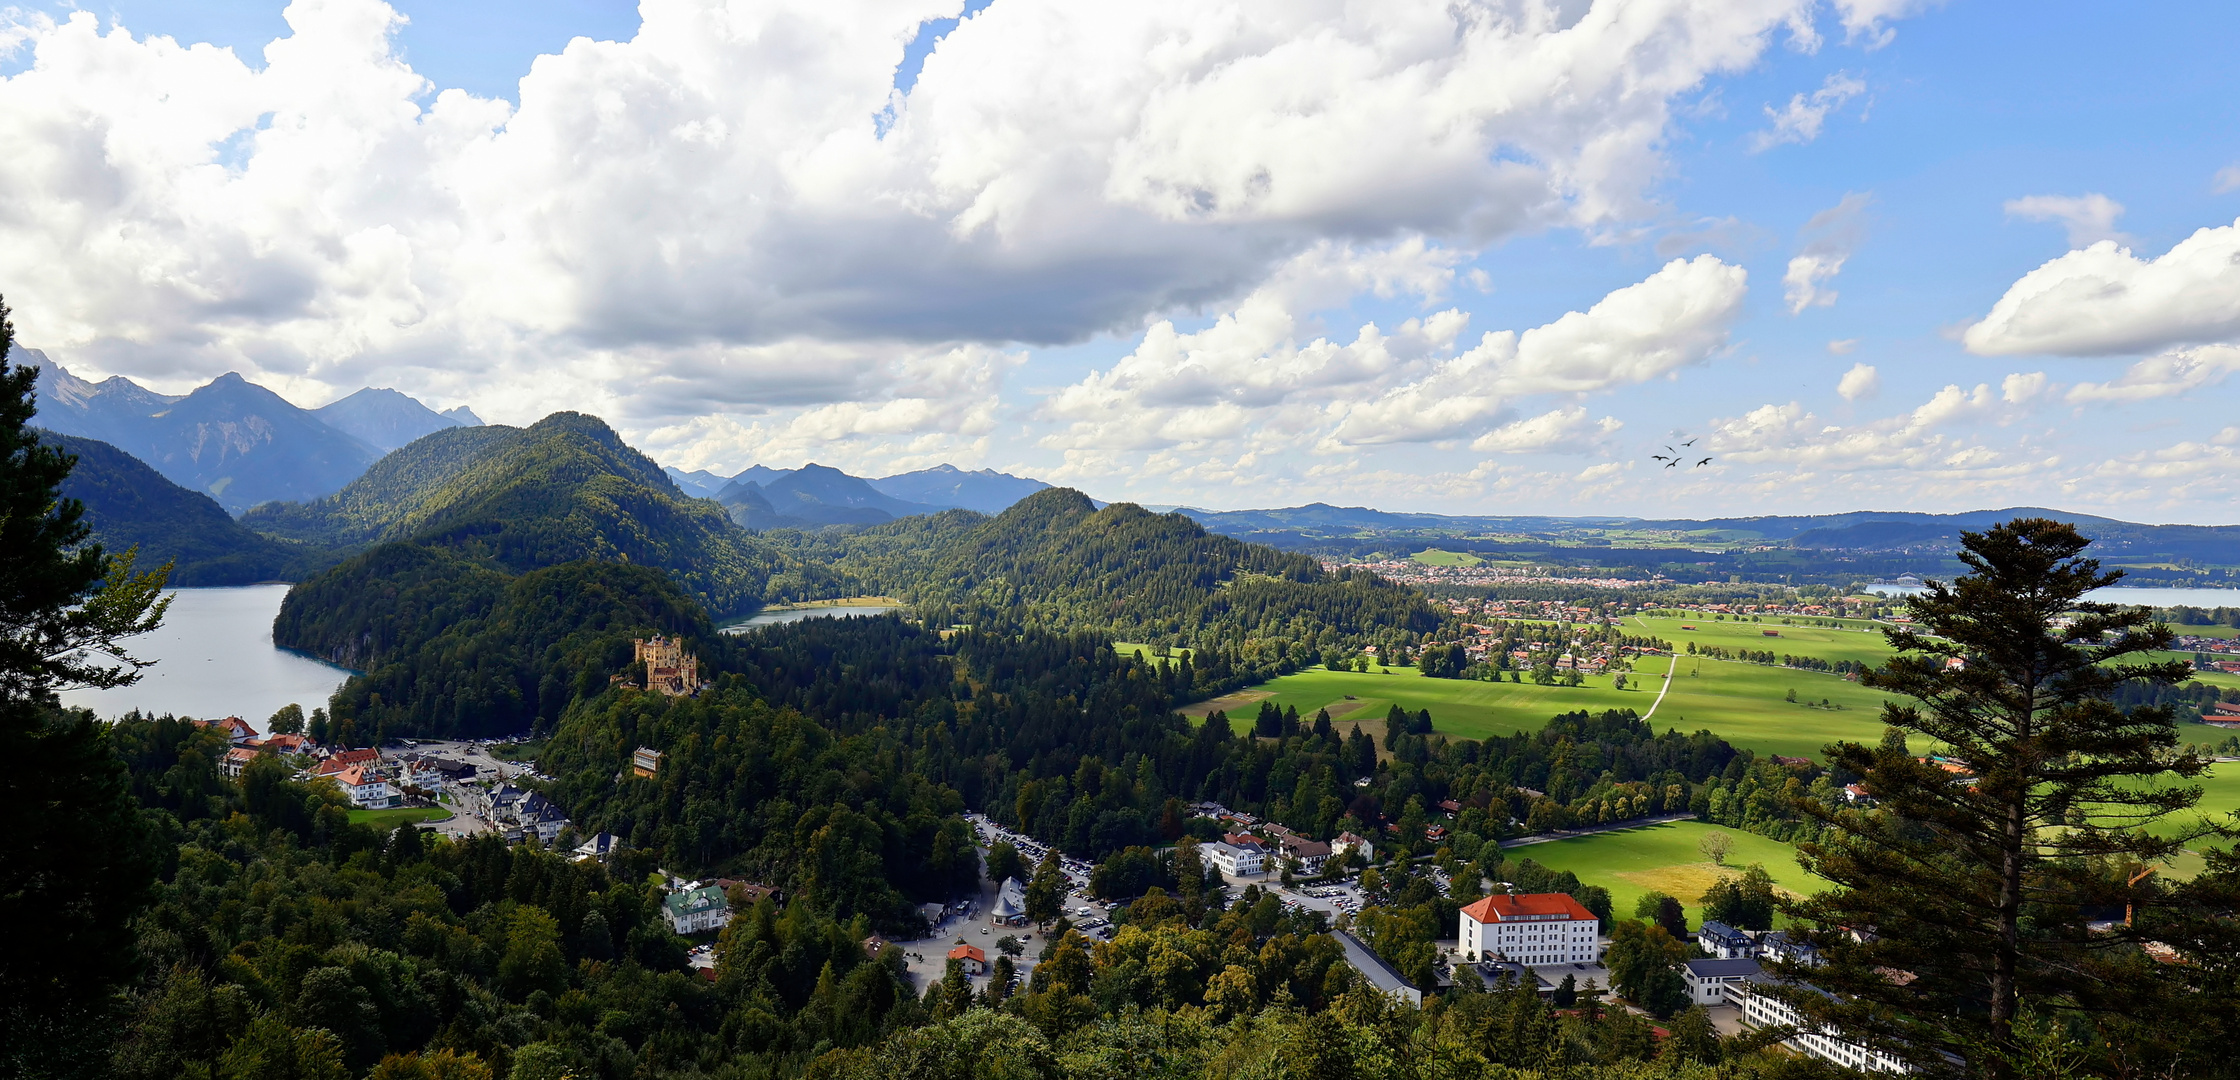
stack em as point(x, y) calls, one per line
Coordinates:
point(1745, 703)
point(1665, 858)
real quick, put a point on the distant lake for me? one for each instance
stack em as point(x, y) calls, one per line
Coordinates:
point(2144, 596)
point(214, 658)
point(838, 611)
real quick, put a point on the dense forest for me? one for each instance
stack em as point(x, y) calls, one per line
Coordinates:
point(1056, 561)
point(283, 941)
point(565, 489)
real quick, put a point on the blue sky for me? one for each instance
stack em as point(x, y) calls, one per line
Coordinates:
point(739, 245)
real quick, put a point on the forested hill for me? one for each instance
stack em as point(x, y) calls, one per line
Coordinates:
point(129, 505)
point(1054, 560)
point(562, 490)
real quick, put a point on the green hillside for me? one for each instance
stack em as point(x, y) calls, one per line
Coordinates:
point(1056, 560)
point(562, 490)
point(128, 503)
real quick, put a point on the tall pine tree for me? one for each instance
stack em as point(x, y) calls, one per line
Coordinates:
point(76, 860)
point(1965, 899)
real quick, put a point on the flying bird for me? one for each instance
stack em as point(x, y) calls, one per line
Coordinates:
point(1703, 463)
point(1691, 442)
point(1670, 457)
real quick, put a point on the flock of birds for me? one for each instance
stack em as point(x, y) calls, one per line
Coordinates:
point(1672, 457)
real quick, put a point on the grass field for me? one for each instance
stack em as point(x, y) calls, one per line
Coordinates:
point(388, 819)
point(1436, 557)
point(1665, 858)
point(1742, 702)
point(1864, 644)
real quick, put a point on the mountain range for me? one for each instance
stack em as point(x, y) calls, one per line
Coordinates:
point(761, 497)
point(231, 439)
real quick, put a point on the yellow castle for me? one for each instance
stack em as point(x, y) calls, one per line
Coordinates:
point(669, 669)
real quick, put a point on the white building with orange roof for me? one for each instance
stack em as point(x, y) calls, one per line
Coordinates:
point(367, 789)
point(1531, 929)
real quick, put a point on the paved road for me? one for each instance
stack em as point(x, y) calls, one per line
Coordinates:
point(1669, 669)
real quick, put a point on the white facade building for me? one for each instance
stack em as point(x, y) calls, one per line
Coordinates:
point(1759, 1010)
point(1708, 980)
point(1235, 860)
point(694, 911)
point(1532, 929)
point(367, 789)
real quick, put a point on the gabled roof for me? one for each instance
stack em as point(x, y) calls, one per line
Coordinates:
point(1502, 908)
point(1713, 928)
point(1011, 900)
point(968, 952)
point(1723, 969)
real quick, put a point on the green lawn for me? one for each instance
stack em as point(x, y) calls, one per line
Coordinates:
point(1665, 858)
point(1436, 557)
point(388, 819)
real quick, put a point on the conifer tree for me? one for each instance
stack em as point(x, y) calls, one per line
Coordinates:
point(76, 860)
point(1976, 876)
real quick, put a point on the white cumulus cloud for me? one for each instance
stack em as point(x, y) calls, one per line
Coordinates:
point(2088, 218)
point(2171, 374)
point(2104, 300)
point(739, 204)
point(1862, 381)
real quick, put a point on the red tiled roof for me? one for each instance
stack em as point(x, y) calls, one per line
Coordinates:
point(1503, 907)
point(968, 952)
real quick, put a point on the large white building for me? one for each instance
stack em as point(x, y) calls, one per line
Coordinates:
point(1532, 929)
point(1760, 1011)
point(1708, 980)
point(1235, 860)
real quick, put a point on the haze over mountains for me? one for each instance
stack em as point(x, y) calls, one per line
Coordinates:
point(233, 440)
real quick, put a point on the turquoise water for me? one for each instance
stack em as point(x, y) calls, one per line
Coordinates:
point(773, 618)
point(214, 657)
point(2145, 596)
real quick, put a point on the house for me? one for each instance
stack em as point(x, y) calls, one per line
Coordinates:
point(1011, 904)
point(1780, 947)
point(1347, 844)
point(1761, 1010)
point(2222, 714)
point(343, 759)
point(872, 945)
point(694, 911)
point(1235, 860)
point(1531, 929)
point(1725, 942)
point(746, 894)
point(366, 789)
point(970, 958)
point(645, 762)
point(1309, 854)
point(1792, 762)
point(236, 759)
point(599, 847)
point(1855, 793)
point(237, 730)
point(1708, 980)
point(286, 744)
